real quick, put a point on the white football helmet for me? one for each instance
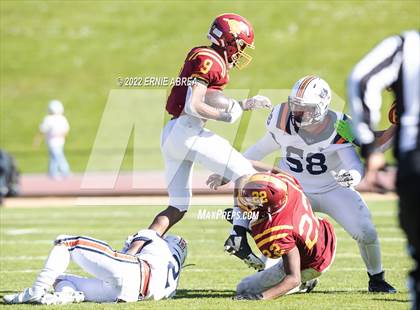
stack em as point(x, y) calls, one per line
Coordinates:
point(178, 247)
point(309, 100)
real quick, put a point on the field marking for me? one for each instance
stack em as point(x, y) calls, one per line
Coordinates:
point(20, 271)
point(18, 232)
point(31, 271)
point(98, 201)
point(381, 239)
point(19, 242)
point(221, 255)
point(23, 257)
point(338, 269)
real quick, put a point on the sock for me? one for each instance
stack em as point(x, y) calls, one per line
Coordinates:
point(371, 254)
point(56, 264)
point(239, 220)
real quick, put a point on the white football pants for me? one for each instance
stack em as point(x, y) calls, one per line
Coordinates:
point(117, 275)
point(348, 209)
point(270, 277)
point(185, 141)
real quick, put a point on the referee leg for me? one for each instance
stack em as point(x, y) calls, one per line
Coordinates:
point(409, 214)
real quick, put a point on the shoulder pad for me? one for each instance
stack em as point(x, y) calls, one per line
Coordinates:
point(279, 119)
point(208, 60)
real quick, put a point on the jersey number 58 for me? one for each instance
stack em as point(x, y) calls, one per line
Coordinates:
point(315, 162)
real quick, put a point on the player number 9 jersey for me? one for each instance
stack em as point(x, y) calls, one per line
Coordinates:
point(204, 65)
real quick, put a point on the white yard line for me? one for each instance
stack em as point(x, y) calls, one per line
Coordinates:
point(213, 256)
point(192, 269)
point(197, 200)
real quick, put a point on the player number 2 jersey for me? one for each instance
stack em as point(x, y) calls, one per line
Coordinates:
point(165, 267)
point(295, 225)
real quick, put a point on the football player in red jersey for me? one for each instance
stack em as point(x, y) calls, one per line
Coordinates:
point(285, 227)
point(184, 139)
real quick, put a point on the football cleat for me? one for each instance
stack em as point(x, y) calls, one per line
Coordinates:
point(28, 296)
point(63, 298)
point(308, 286)
point(248, 296)
point(377, 284)
point(253, 261)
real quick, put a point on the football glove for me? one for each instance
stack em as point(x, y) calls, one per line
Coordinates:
point(248, 296)
point(238, 245)
point(214, 181)
point(256, 102)
point(392, 114)
point(344, 129)
point(346, 178)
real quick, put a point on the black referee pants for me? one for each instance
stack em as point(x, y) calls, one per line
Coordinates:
point(408, 188)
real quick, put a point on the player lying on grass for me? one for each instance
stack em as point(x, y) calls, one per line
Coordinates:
point(153, 273)
point(326, 165)
point(285, 228)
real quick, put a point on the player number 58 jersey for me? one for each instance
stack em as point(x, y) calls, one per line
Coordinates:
point(309, 157)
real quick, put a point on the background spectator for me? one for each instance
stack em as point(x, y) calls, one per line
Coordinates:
point(55, 128)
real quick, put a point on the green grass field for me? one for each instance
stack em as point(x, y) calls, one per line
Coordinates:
point(210, 280)
point(75, 51)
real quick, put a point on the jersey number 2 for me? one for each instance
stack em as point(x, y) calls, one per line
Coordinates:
point(315, 161)
point(174, 270)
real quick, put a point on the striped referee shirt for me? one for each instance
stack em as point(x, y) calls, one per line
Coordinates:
point(394, 63)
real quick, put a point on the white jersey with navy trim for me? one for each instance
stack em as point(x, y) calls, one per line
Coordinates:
point(165, 268)
point(307, 156)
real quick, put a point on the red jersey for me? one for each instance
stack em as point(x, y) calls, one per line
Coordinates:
point(204, 64)
point(295, 225)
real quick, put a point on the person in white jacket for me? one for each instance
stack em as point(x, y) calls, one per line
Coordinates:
point(55, 128)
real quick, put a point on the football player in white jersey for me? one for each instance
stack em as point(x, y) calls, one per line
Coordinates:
point(325, 163)
point(153, 273)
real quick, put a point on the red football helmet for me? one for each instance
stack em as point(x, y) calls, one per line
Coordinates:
point(233, 33)
point(264, 192)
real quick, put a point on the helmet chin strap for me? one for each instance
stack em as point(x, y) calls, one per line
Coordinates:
point(221, 50)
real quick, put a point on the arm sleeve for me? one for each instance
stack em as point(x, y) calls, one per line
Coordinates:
point(262, 148)
point(370, 76)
